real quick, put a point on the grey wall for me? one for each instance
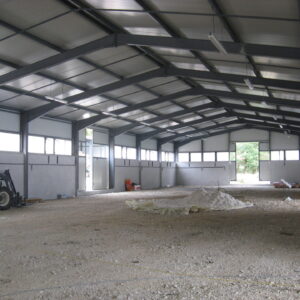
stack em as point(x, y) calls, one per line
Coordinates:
point(50, 175)
point(150, 175)
point(204, 173)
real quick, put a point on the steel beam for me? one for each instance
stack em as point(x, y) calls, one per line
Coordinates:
point(186, 141)
point(150, 134)
point(279, 83)
point(173, 137)
point(24, 128)
point(105, 42)
point(206, 45)
point(262, 110)
point(111, 161)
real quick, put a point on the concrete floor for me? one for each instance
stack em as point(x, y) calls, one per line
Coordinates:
point(97, 248)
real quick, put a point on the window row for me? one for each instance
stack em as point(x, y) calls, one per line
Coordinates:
point(46, 145)
point(279, 155)
point(205, 156)
point(167, 156)
point(123, 152)
point(36, 144)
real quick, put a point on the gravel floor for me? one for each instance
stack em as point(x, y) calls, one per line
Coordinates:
point(97, 248)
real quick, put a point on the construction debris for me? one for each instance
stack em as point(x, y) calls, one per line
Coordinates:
point(199, 200)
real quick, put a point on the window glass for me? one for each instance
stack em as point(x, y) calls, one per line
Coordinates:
point(118, 152)
point(264, 155)
point(277, 155)
point(143, 154)
point(164, 156)
point(63, 147)
point(183, 157)
point(36, 144)
point(222, 156)
point(292, 155)
point(209, 156)
point(196, 156)
point(9, 142)
point(124, 152)
point(131, 153)
point(153, 155)
point(171, 157)
point(49, 145)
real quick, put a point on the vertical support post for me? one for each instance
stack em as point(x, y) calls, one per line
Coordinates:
point(176, 150)
point(75, 153)
point(160, 162)
point(111, 160)
point(202, 148)
point(138, 156)
point(24, 125)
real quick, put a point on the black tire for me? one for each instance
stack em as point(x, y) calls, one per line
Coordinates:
point(5, 198)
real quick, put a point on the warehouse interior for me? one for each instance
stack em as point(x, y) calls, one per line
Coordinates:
point(164, 94)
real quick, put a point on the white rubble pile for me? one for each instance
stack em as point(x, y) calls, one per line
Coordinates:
point(198, 201)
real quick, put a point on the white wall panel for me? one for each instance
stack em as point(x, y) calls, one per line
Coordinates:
point(51, 128)
point(100, 137)
point(193, 146)
point(125, 140)
point(9, 121)
point(281, 141)
point(216, 143)
point(149, 144)
point(249, 135)
point(168, 147)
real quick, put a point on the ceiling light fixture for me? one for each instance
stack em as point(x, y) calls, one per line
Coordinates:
point(86, 115)
point(280, 126)
point(275, 118)
point(249, 83)
point(217, 43)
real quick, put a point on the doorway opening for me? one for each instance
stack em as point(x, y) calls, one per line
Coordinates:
point(247, 162)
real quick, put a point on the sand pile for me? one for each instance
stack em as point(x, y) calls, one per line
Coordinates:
point(198, 201)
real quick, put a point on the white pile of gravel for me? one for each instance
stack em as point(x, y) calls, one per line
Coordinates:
point(197, 201)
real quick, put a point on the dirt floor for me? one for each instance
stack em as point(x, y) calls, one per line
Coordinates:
point(97, 248)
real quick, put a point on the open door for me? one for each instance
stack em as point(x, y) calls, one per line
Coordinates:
point(247, 162)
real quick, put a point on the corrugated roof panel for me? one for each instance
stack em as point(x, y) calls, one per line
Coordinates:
point(6, 95)
point(132, 66)
point(198, 27)
point(214, 86)
point(4, 33)
point(234, 68)
point(262, 105)
point(69, 69)
point(127, 90)
point(69, 31)
point(170, 88)
point(276, 8)
point(23, 103)
point(31, 82)
point(192, 6)
point(268, 32)
point(138, 97)
point(280, 73)
point(30, 51)
point(191, 66)
point(94, 79)
point(30, 12)
point(281, 62)
point(108, 56)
